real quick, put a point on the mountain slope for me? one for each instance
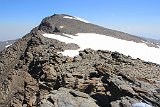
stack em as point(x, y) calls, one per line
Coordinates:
point(35, 73)
point(153, 40)
point(5, 44)
point(131, 45)
point(68, 25)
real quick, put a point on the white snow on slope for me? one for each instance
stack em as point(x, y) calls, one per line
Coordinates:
point(141, 105)
point(102, 42)
point(76, 18)
point(81, 19)
point(8, 45)
point(68, 17)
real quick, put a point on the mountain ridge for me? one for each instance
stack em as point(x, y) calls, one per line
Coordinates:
point(34, 73)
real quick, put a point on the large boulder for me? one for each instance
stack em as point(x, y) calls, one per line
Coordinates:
point(67, 98)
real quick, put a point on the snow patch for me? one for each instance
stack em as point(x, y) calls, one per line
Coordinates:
point(76, 18)
point(68, 17)
point(81, 19)
point(8, 45)
point(61, 27)
point(103, 42)
point(141, 105)
point(70, 53)
point(66, 38)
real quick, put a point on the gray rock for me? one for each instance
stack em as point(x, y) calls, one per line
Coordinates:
point(68, 98)
point(50, 74)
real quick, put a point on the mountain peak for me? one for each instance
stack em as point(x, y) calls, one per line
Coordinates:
point(35, 71)
point(72, 25)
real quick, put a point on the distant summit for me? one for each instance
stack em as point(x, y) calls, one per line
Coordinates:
point(69, 62)
point(127, 44)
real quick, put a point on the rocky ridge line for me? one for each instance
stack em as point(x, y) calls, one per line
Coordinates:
point(35, 74)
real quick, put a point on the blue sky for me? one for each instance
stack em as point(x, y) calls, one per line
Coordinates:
point(138, 17)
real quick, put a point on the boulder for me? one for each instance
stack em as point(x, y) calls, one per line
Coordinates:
point(49, 73)
point(67, 98)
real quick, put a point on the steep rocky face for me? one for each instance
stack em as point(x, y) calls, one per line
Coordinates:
point(35, 74)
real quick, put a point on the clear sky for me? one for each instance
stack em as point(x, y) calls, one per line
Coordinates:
point(138, 17)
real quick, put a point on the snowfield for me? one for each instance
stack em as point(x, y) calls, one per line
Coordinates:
point(103, 42)
point(76, 18)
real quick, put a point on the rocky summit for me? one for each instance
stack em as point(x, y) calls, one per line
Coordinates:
point(34, 72)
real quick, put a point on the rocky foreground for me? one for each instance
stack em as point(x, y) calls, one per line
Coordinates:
point(33, 73)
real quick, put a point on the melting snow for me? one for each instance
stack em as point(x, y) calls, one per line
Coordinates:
point(102, 42)
point(76, 18)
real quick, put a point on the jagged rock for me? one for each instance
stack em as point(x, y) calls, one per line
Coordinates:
point(29, 56)
point(115, 104)
point(127, 88)
point(69, 75)
point(31, 89)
